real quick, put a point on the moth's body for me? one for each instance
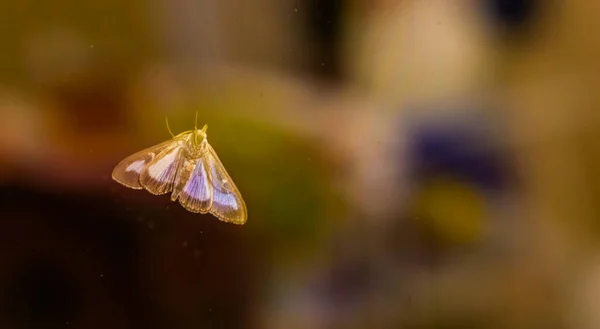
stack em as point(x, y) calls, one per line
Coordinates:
point(188, 167)
point(188, 140)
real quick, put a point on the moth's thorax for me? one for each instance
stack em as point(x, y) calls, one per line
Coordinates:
point(194, 143)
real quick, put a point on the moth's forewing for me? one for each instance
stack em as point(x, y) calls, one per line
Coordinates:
point(158, 177)
point(227, 202)
point(193, 188)
point(128, 171)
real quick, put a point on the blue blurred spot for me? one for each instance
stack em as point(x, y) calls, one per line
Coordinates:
point(456, 152)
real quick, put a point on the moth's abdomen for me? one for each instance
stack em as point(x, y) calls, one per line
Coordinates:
point(183, 175)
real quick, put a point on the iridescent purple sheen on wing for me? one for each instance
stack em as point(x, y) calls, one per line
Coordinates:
point(196, 194)
point(227, 204)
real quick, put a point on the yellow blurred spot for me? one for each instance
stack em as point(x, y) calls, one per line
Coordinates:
point(452, 209)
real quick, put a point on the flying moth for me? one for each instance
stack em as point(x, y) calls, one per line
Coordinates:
point(188, 167)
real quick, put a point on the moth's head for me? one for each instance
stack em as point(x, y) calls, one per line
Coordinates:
point(200, 134)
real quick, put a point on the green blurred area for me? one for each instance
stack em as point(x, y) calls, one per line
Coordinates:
point(284, 175)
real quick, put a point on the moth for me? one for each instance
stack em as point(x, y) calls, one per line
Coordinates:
point(187, 167)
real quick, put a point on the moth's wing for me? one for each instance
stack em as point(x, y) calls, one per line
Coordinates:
point(227, 202)
point(128, 171)
point(158, 177)
point(193, 186)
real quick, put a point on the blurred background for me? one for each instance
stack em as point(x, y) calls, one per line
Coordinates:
point(406, 164)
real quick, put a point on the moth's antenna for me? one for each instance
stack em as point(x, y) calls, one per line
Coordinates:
point(196, 122)
point(204, 128)
point(168, 128)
